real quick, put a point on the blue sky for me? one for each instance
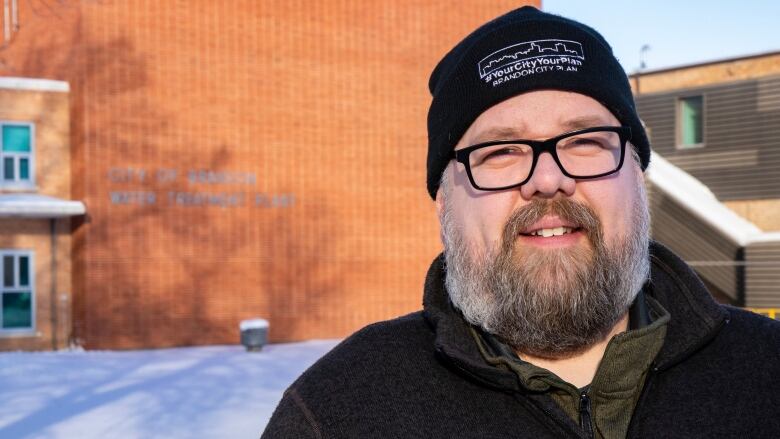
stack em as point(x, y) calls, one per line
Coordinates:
point(678, 32)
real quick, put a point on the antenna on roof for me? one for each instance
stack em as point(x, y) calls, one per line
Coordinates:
point(645, 48)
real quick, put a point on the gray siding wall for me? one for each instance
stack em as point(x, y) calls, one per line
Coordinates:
point(713, 256)
point(740, 158)
point(762, 275)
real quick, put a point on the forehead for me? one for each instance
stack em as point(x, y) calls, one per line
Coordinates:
point(536, 115)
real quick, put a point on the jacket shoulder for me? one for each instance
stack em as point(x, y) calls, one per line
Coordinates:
point(755, 330)
point(730, 383)
point(367, 373)
point(370, 354)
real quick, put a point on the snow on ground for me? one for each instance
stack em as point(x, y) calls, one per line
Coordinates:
point(205, 392)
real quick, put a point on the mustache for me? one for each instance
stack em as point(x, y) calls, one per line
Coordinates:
point(569, 210)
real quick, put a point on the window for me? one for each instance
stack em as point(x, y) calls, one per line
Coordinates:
point(690, 122)
point(16, 153)
point(16, 291)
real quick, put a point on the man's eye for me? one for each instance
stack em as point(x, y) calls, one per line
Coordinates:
point(584, 146)
point(503, 154)
point(587, 142)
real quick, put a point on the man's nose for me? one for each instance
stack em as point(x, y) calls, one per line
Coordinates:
point(547, 180)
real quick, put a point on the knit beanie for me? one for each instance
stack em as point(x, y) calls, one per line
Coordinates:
point(523, 50)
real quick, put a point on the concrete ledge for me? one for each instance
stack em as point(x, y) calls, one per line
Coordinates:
point(14, 83)
point(38, 206)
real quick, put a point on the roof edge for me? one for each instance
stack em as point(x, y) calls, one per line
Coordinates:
point(641, 73)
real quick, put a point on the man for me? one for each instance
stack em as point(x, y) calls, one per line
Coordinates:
point(550, 313)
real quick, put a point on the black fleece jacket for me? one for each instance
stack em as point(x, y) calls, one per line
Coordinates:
point(422, 376)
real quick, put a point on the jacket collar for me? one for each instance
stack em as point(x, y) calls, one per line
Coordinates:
point(695, 319)
point(695, 316)
point(455, 346)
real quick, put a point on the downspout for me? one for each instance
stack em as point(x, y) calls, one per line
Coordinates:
point(53, 277)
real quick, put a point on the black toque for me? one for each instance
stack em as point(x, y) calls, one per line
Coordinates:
point(521, 51)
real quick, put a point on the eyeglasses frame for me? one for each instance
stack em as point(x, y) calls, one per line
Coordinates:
point(541, 146)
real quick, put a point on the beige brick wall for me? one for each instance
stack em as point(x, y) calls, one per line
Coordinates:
point(707, 74)
point(35, 235)
point(50, 112)
point(763, 213)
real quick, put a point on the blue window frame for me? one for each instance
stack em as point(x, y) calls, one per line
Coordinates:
point(17, 146)
point(17, 291)
point(690, 122)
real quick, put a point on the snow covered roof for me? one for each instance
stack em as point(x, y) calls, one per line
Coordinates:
point(697, 198)
point(766, 237)
point(14, 83)
point(38, 206)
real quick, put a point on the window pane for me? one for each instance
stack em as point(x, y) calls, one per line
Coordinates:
point(8, 166)
point(16, 138)
point(691, 112)
point(8, 271)
point(24, 271)
point(24, 169)
point(17, 310)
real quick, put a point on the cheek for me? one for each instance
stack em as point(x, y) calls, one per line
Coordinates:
point(615, 204)
point(481, 215)
point(492, 217)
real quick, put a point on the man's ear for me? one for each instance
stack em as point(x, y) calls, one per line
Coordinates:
point(440, 212)
point(440, 207)
point(440, 200)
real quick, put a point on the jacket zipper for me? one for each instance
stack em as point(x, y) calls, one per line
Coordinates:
point(585, 415)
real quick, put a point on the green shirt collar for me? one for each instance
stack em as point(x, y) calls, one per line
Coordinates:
point(619, 378)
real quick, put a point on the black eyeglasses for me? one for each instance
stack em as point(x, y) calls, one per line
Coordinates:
point(583, 154)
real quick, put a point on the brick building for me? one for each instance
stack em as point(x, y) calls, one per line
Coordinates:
point(257, 159)
point(35, 214)
point(738, 121)
point(719, 124)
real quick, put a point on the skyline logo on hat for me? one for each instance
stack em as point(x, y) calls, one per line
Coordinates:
point(530, 57)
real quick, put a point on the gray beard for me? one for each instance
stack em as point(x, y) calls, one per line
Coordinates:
point(549, 303)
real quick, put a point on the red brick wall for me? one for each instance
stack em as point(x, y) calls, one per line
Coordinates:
point(317, 109)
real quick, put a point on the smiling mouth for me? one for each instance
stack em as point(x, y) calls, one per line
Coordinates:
point(549, 232)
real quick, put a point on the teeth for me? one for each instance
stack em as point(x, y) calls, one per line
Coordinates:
point(557, 231)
